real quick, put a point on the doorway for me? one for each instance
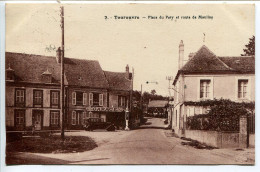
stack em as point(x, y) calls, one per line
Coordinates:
point(37, 119)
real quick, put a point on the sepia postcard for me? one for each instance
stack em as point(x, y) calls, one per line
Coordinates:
point(130, 83)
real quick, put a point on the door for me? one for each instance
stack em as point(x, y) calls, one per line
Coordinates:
point(37, 119)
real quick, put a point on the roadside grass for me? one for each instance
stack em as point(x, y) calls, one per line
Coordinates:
point(51, 144)
point(196, 144)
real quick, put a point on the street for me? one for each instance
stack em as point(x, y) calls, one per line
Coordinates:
point(148, 145)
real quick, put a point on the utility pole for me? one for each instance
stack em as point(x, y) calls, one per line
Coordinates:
point(169, 78)
point(62, 73)
point(141, 98)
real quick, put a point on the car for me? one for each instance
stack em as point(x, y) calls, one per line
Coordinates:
point(98, 123)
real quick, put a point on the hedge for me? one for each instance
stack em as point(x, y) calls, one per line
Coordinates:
point(223, 115)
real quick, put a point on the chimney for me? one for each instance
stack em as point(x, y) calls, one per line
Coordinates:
point(191, 55)
point(181, 54)
point(58, 55)
point(127, 75)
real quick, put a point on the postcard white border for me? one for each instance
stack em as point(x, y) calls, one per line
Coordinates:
point(125, 168)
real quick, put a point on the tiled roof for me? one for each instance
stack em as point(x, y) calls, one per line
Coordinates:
point(242, 63)
point(86, 73)
point(158, 103)
point(29, 68)
point(206, 62)
point(118, 81)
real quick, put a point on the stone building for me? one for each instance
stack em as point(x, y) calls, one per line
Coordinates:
point(206, 76)
point(33, 92)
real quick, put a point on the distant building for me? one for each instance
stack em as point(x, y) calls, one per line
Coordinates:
point(206, 76)
point(158, 108)
point(33, 92)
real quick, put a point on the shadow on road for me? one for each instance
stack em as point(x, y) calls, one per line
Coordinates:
point(32, 159)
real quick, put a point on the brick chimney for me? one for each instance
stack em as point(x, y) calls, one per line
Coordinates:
point(58, 55)
point(127, 74)
point(181, 54)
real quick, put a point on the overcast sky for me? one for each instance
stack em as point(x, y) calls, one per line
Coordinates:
point(150, 46)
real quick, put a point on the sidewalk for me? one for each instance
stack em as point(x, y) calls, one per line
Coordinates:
point(237, 156)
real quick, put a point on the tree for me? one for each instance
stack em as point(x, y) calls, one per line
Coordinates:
point(153, 92)
point(250, 47)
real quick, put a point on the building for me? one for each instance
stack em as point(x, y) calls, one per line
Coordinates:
point(206, 76)
point(158, 108)
point(33, 92)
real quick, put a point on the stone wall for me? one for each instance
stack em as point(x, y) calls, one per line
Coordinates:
point(214, 138)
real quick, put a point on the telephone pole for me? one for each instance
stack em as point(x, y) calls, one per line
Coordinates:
point(62, 73)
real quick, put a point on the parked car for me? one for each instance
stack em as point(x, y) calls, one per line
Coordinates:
point(98, 123)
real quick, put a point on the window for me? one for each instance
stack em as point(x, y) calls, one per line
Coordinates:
point(37, 98)
point(19, 120)
point(75, 118)
point(79, 98)
point(55, 97)
point(96, 99)
point(20, 97)
point(122, 101)
point(242, 88)
point(55, 118)
point(204, 88)
point(19, 117)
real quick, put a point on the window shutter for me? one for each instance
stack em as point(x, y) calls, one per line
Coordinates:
point(73, 98)
point(100, 99)
point(91, 99)
point(84, 98)
point(84, 117)
point(73, 119)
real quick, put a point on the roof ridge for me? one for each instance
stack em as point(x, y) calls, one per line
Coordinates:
point(224, 64)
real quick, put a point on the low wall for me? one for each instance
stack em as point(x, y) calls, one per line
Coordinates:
point(214, 138)
point(252, 140)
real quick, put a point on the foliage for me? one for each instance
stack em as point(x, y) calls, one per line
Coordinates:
point(223, 115)
point(146, 97)
point(153, 92)
point(250, 47)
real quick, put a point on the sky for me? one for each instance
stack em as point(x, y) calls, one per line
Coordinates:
point(149, 46)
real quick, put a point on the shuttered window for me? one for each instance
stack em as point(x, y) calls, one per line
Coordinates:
point(84, 98)
point(101, 100)
point(73, 98)
point(73, 118)
point(91, 99)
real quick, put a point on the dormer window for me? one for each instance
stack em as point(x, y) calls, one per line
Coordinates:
point(46, 77)
point(10, 74)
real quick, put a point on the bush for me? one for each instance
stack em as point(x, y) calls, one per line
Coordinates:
point(223, 115)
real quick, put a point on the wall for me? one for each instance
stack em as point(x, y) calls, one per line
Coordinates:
point(252, 140)
point(214, 138)
point(10, 101)
point(228, 90)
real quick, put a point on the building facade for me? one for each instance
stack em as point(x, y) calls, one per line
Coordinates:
point(33, 92)
point(206, 76)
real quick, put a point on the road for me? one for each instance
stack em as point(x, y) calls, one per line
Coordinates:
point(147, 145)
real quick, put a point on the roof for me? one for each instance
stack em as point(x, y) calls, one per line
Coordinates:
point(86, 73)
point(206, 62)
point(78, 72)
point(29, 68)
point(158, 103)
point(118, 81)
